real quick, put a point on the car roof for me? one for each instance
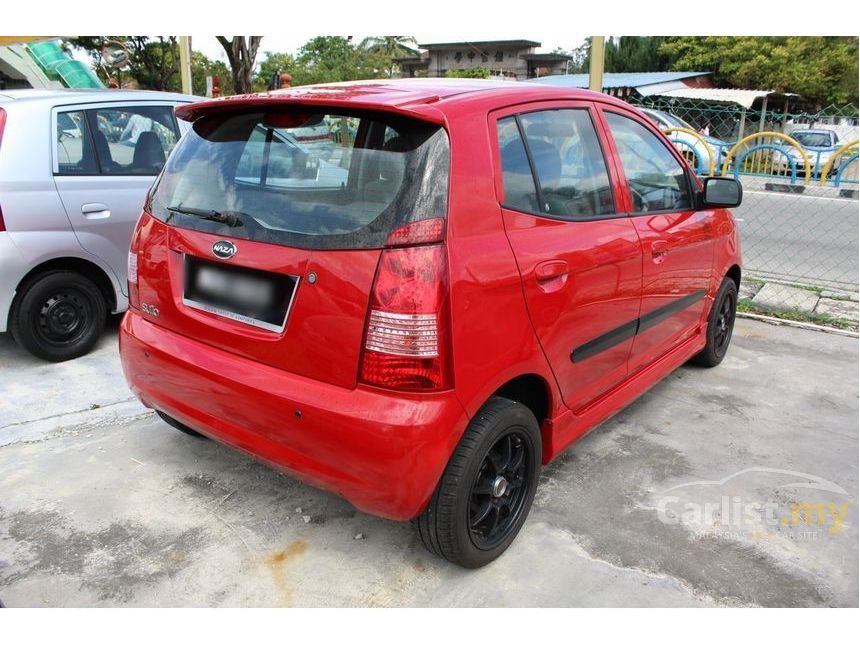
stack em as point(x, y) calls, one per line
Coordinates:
point(812, 130)
point(60, 96)
point(430, 99)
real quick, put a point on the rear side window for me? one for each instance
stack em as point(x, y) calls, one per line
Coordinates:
point(569, 179)
point(657, 180)
point(75, 152)
point(308, 180)
point(133, 140)
point(115, 141)
point(520, 190)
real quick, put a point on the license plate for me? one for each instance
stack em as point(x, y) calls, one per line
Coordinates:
point(250, 296)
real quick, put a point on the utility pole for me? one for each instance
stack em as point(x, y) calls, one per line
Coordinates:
point(185, 63)
point(595, 67)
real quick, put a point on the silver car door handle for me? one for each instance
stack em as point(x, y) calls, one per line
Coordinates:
point(95, 211)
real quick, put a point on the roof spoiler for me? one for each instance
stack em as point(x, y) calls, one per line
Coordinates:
point(421, 109)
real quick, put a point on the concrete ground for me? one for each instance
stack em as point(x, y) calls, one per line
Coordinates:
point(683, 499)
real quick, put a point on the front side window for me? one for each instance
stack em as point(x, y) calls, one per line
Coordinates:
point(570, 180)
point(657, 180)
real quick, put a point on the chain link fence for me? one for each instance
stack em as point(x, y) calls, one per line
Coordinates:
point(799, 218)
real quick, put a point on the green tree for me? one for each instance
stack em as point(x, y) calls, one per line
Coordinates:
point(822, 68)
point(635, 54)
point(271, 63)
point(201, 67)
point(328, 59)
point(391, 47)
point(474, 72)
point(153, 61)
point(241, 54)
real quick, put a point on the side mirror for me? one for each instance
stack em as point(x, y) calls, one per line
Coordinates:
point(722, 192)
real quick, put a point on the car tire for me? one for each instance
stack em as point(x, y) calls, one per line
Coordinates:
point(721, 322)
point(58, 315)
point(180, 426)
point(487, 489)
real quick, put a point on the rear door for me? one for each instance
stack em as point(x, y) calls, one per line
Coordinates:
point(105, 158)
point(677, 246)
point(578, 255)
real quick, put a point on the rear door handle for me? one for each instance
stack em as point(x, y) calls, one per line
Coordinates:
point(550, 269)
point(95, 211)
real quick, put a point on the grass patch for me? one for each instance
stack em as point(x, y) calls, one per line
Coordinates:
point(746, 305)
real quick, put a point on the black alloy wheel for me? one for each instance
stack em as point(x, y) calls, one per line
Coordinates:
point(499, 493)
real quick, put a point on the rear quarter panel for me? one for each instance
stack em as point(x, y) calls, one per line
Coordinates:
point(493, 339)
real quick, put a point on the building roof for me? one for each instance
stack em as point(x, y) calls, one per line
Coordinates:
point(611, 80)
point(481, 43)
point(744, 98)
point(547, 57)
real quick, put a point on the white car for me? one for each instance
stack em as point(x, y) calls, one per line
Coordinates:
point(819, 146)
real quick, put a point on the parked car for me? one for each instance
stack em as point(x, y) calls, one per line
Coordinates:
point(690, 146)
point(819, 147)
point(75, 166)
point(504, 268)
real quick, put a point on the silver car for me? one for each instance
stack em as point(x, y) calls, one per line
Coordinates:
point(75, 167)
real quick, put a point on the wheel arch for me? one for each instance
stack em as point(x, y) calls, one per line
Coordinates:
point(86, 268)
point(532, 391)
point(734, 272)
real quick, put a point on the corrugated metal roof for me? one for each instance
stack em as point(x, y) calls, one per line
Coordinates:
point(610, 80)
point(744, 98)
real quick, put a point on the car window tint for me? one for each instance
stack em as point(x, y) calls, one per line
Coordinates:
point(519, 184)
point(133, 140)
point(657, 180)
point(333, 182)
point(571, 172)
point(75, 153)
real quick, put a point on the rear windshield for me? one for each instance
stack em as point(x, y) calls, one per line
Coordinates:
point(308, 180)
point(812, 139)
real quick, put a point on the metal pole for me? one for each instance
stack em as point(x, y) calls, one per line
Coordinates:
point(185, 63)
point(742, 124)
point(763, 114)
point(595, 68)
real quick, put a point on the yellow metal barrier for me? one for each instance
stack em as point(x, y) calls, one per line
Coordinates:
point(759, 158)
point(701, 140)
point(836, 155)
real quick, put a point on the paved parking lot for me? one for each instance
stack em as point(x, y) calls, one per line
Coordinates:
point(731, 486)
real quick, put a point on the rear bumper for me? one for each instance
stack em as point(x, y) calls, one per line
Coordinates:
point(384, 452)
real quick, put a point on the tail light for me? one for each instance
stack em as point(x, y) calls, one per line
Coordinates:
point(407, 338)
point(2, 222)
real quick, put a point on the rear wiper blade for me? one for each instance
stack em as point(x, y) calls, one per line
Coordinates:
point(230, 218)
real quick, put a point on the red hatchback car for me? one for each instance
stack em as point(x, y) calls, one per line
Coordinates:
point(468, 278)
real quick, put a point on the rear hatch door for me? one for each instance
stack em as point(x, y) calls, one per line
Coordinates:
point(258, 246)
